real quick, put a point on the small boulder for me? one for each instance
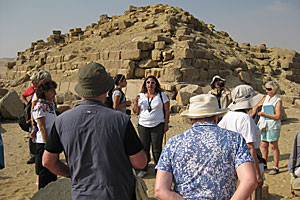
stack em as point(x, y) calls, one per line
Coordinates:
point(11, 107)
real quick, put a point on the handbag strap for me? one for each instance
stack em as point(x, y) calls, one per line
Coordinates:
point(295, 153)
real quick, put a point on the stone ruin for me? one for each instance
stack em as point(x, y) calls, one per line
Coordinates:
point(161, 40)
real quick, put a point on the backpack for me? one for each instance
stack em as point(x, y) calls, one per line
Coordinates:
point(25, 119)
point(109, 99)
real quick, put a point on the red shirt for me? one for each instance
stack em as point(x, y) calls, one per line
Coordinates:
point(29, 92)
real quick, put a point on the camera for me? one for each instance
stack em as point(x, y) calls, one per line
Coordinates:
point(221, 84)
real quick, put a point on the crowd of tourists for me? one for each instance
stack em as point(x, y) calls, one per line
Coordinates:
point(218, 157)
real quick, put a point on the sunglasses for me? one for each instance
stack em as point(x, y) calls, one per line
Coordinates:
point(269, 89)
point(152, 82)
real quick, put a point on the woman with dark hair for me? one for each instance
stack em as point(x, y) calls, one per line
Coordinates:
point(44, 113)
point(153, 107)
point(118, 96)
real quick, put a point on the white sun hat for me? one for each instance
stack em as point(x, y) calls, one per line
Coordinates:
point(203, 105)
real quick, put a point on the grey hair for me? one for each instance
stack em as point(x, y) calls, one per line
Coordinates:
point(273, 84)
point(208, 119)
point(41, 75)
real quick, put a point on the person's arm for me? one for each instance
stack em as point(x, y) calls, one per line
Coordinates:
point(51, 161)
point(24, 99)
point(246, 175)
point(138, 160)
point(136, 107)
point(163, 186)
point(276, 115)
point(117, 105)
point(42, 125)
point(256, 162)
point(167, 115)
point(260, 103)
point(34, 127)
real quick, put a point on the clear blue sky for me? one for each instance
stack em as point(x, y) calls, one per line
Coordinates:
point(273, 22)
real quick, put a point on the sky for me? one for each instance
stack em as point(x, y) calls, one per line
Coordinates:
point(275, 23)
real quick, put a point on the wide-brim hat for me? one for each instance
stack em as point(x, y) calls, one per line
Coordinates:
point(202, 106)
point(217, 77)
point(93, 80)
point(244, 97)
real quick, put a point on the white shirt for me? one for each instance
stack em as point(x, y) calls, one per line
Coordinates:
point(119, 93)
point(43, 110)
point(242, 123)
point(156, 115)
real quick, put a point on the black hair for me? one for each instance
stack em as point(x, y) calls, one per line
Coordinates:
point(44, 86)
point(157, 88)
point(118, 78)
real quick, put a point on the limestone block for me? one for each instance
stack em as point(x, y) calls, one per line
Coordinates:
point(145, 54)
point(170, 75)
point(156, 54)
point(245, 45)
point(183, 31)
point(114, 55)
point(245, 76)
point(154, 71)
point(212, 73)
point(41, 61)
point(184, 94)
point(201, 63)
point(20, 80)
point(59, 98)
point(10, 65)
point(159, 45)
point(131, 54)
point(185, 37)
point(203, 75)
point(167, 55)
point(11, 107)
point(190, 75)
point(20, 62)
point(185, 44)
point(199, 53)
point(63, 108)
point(176, 108)
point(113, 64)
point(139, 72)
point(255, 49)
point(69, 57)
point(128, 64)
point(43, 55)
point(57, 59)
point(147, 63)
point(161, 38)
point(208, 55)
point(295, 65)
point(124, 24)
point(93, 56)
point(261, 55)
point(139, 45)
point(289, 99)
point(183, 53)
point(183, 62)
point(200, 40)
point(49, 59)
point(167, 86)
point(128, 73)
point(225, 72)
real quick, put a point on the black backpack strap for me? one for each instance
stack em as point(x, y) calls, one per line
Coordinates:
point(162, 102)
point(122, 96)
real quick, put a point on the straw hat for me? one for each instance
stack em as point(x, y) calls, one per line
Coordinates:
point(93, 80)
point(203, 105)
point(244, 97)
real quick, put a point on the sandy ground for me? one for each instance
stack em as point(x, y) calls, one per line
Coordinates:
point(18, 180)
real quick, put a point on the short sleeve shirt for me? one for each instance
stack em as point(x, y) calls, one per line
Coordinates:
point(47, 110)
point(119, 93)
point(132, 142)
point(242, 123)
point(203, 161)
point(155, 116)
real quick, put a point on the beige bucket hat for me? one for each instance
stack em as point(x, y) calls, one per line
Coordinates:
point(244, 97)
point(203, 105)
point(217, 77)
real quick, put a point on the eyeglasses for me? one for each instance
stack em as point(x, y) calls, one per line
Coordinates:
point(269, 89)
point(152, 82)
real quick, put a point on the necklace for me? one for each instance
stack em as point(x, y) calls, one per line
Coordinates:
point(149, 104)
